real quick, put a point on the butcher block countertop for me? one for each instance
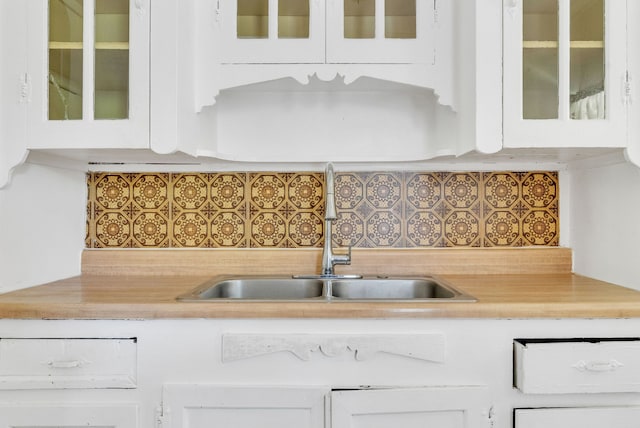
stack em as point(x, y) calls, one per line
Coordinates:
point(144, 284)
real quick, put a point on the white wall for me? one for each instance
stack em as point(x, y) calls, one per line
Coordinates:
point(42, 225)
point(605, 223)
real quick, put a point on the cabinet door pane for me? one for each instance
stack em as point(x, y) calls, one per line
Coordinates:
point(400, 19)
point(587, 59)
point(65, 59)
point(111, 59)
point(253, 19)
point(540, 59)
point(359, 19)
point(293, 19)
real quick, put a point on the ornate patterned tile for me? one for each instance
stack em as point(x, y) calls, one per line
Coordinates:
point(208, 210)
point(128, 210)
point(286, 209)
point(369, 210)
point(271, 209)
point(520, 209)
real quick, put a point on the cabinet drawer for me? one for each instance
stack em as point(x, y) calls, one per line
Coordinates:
point(67, 363)
point(583, 417)
point(575, 366)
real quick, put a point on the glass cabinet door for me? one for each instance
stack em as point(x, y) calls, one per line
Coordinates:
point(540, 59)
point(111, 60)
point(586, 60)
point(107, 96)
point(91, 83)
point(272, 31)
point(381, 31)
point(564, 71)
point(571, 88)
point(66, 24)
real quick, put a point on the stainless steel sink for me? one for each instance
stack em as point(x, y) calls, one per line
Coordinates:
point(392, 288)
point(322, 289)
point(262, 288)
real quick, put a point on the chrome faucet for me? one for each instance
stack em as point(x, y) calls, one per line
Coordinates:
point(329, 259)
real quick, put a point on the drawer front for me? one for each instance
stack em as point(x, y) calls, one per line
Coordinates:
point(557, 367)
point(585, 417)
point(67, 363)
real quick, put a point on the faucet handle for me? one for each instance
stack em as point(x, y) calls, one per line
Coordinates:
point(343, 259)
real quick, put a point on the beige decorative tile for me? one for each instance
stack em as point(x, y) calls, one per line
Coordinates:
point(227, 191)
point(286, 209)
point(268, 229)
point(521, 209)
point(424, 190)
point(370, 209)
point(113, 229)
point(150, 229)
point(461, 190)
point(461, 212)
point(271, 209)
point(190, 229)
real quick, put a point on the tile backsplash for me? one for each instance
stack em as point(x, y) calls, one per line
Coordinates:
point(274, 209)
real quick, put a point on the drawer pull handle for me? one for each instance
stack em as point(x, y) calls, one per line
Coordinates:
point(72, 364)
point(598, 366)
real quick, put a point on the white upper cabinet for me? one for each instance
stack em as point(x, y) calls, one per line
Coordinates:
point(254, 41)
point(88, 74)
point(381, 31)
point(272, 31)
point(333, 31)
point(565, 73)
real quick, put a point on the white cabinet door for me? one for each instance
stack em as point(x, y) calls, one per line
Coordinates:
point(293, 31)
point(272, 31)
point(381, 31)
point(67, 416)
point(444, 407)
point(600, 417)
point(203, 406)
point(564, 73)
point(88, 71)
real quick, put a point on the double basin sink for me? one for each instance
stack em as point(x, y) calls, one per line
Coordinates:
point(322, 289)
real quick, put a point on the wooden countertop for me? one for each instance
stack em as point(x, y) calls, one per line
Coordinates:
point(152, 297)
point(506, 284)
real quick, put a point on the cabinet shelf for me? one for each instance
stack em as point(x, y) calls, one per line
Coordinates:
point(552, 44)
point(116, 46)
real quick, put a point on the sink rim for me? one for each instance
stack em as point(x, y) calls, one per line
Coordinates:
point(194, 295)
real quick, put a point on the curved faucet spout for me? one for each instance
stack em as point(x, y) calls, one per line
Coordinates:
point(330, 212)
point(329, 259)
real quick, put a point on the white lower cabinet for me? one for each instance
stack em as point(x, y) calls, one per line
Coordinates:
point(67, 382)
point(577, 366)
point(593, 417)
point(200, 406)
point(316, 373)
point(67, 363)
point(444, 407)
point(60, 415)
point(585, 367)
